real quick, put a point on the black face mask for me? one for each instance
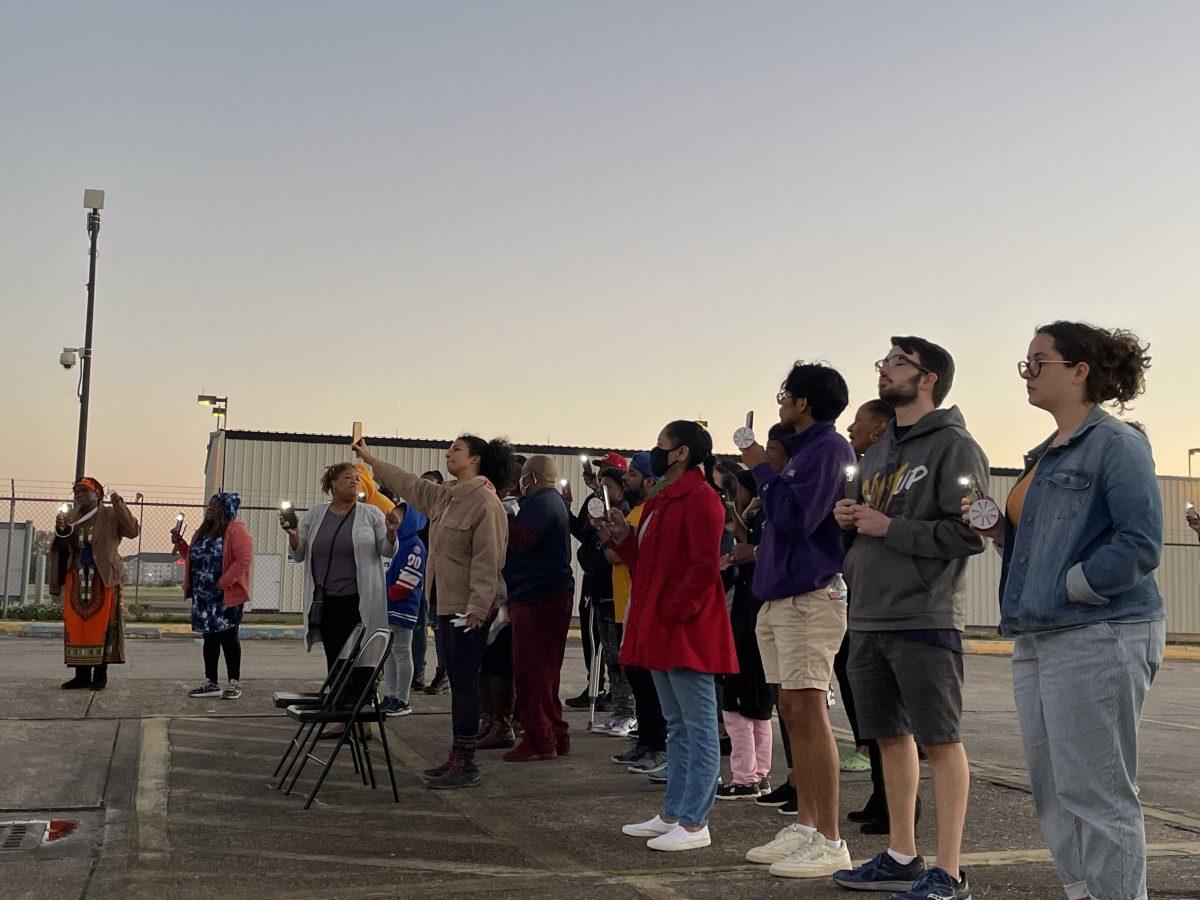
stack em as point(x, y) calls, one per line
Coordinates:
point(659, 462)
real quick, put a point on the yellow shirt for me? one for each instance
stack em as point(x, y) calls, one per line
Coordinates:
point(621, 577)
point(366, 483)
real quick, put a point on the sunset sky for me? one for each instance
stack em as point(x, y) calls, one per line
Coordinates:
point(571, 222)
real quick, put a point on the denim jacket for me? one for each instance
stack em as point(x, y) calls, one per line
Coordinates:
point(1090, 535)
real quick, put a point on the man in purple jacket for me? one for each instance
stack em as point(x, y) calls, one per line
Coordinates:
point(803, 616)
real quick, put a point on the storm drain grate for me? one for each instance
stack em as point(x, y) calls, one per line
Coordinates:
point(21, 835)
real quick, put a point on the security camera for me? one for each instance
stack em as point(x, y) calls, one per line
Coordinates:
point(68, 358)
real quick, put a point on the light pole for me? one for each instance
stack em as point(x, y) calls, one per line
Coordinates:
point(220, 407)
point(94, 201)
point(1191, 453)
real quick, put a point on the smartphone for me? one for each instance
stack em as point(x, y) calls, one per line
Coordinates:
point(178, 529)
point(287, 515)
point(356, 433)
point(604, 497)
point(588, 471)
point(750, 419)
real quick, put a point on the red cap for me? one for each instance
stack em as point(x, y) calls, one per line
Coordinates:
point(612, 460)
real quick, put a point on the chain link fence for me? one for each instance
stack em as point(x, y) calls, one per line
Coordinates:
point(153, 574)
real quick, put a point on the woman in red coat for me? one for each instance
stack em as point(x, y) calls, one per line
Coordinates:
point(678, 626)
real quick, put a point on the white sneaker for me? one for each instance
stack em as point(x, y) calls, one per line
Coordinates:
point(620, 726)
point(817, 860)
point(652, 828)
point(788, 841)
point(679, 838)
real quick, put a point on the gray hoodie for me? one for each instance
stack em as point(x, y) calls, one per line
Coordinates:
point(913, 578)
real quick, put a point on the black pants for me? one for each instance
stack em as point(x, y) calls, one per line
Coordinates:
point(462, 656)
point(839, 670)
point(497, 659)
point(420, 639)
point(652, 727)
point(338, 619)
point(213, 645)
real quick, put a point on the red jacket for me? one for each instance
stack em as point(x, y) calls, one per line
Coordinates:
point(237, 555)
point(677, 614)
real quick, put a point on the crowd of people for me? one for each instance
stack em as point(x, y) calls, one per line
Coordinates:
point(720, 593)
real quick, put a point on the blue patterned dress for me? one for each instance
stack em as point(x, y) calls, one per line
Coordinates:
point(210, 615)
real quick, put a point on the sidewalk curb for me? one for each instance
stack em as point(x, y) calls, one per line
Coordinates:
point(180, 630)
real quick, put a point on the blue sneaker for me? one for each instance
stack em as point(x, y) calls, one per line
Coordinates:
point(393, 706)
point(881, 874)
point(936, 884)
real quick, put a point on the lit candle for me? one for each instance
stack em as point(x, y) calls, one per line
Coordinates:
point(852, 473)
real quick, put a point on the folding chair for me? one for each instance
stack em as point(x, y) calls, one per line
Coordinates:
point(352, 712)
point(284, 699)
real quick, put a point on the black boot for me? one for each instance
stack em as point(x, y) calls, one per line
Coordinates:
point(882, 825)
point(81, 681)
point(462, 772)
point(439, 685)
point(875, 808)
point(100, 677)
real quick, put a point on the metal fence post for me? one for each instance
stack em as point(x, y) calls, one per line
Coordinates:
point(12, 519)
point(137, 578)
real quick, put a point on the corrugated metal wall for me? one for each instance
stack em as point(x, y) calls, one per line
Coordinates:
point(267, 471)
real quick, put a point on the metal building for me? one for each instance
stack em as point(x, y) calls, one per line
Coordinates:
point(268, 467)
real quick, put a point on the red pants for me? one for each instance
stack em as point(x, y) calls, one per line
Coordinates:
point(539, 632)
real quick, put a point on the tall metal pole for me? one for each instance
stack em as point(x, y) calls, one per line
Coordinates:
point(93, 227)
point(137, 579)
point(12, 519)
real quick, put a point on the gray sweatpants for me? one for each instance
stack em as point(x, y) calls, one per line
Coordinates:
point(1079, 694)
point(398, 667)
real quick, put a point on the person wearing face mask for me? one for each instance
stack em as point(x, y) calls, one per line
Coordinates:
point(678, 626)
point(468, 538)
point(541, 597)
point(907, 572)
point(86, 571)
point(1082, 534)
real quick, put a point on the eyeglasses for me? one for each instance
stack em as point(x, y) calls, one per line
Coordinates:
point(896, 359)
point(783, 395)
point(1032, 368)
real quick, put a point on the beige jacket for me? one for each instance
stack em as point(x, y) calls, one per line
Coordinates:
point(109, 527)
point(468, 538)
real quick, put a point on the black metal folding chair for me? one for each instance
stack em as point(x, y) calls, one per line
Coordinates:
point(354, 712)
point(284, 699)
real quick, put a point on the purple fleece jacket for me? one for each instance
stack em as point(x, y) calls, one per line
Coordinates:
point(801, 548)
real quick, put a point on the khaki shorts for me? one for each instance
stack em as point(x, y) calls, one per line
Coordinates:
point(798, 638)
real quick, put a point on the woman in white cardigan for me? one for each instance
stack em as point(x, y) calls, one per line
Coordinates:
point(345, 547)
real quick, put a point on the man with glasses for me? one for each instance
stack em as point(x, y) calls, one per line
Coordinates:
point(905, 570)
point(802, 619)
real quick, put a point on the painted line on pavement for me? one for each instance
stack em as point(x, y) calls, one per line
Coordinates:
point(154, 761)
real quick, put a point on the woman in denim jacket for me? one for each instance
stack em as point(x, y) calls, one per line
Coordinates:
point(1081, 537)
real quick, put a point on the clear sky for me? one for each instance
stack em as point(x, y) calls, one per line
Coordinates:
point(574, 222)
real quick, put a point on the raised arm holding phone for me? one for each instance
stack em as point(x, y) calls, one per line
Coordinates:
point(468, 536)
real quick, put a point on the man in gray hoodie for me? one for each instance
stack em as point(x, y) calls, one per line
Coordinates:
point(906, 573)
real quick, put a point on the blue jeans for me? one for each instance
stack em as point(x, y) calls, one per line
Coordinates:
point(1079, 694)
point(420, 638)
point(689, 704)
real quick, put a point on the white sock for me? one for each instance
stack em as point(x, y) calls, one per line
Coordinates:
point(834, 845)
point(803, 829)
point(900, 857)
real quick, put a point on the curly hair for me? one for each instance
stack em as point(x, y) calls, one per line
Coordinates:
point(1117, 360)
point(332, 474)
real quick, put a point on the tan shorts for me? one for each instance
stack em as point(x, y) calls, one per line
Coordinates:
point(798, 638)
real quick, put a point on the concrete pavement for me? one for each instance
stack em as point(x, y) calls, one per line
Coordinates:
point(171, 797)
